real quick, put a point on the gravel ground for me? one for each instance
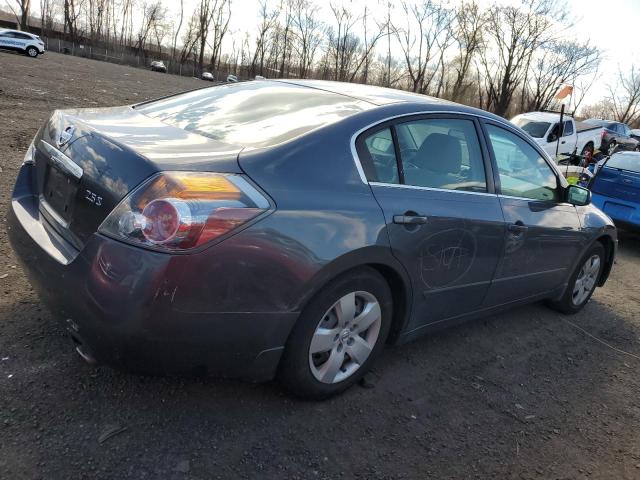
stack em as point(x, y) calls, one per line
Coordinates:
point(525, 394)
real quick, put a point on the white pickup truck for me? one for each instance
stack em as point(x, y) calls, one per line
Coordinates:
point(577, 137)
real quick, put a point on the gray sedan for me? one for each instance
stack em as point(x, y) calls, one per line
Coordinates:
point(293, 228)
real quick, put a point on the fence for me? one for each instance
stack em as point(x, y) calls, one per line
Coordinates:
point(121, 56)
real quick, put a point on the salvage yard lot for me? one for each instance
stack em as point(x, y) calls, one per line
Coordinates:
point(525, 394)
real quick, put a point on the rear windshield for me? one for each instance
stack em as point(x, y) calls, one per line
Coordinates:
point(253, 114)
point(535, 129)
point(625, 161)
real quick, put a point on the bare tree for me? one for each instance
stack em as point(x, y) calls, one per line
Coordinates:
point(625, 96)
point(177, 31)
point(153, 17)
point(221, 15)
point(23, 6)
point(421, 40)
point(558, 63)
point(468, 33)
point(308, 31)
point(342, 42)
point(516, 34)
point(268, 20)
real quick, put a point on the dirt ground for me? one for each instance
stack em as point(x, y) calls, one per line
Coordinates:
point(520, 395)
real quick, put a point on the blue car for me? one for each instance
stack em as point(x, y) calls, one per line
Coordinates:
point(616, 189)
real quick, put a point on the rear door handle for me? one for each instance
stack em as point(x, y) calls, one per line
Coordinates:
point(517, 227)
point(409, 219)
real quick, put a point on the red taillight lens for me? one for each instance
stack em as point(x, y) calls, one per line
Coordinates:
point(183, 210)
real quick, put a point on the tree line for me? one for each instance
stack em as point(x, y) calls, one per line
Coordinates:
point(503, 58)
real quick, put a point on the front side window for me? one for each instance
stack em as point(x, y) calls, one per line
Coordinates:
point(441, 153)
point(523, 171)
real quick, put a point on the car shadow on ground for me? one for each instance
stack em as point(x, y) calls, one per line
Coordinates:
point(524, 381)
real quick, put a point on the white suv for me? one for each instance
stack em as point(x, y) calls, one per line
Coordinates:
point(27, 43)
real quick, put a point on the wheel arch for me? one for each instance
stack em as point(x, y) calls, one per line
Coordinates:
point(610, 248)
point(380, 260)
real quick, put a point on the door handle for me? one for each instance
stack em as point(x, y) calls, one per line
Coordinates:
point(517, 228)
point(409, 219)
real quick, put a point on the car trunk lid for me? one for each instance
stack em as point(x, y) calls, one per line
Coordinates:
point(87, 161)
point(617, 183)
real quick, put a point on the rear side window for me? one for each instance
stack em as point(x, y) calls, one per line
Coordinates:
point(625, 161)
point(442, 153)
point(382, 157)
point(523, 171)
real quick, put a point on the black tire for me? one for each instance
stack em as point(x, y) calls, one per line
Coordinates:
point(587, 148)
point(32, 52)
point(566, 304)
point(295, 370)
point(611, 146)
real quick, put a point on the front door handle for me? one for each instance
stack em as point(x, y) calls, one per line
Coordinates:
point(517, 228)
point(409, 219)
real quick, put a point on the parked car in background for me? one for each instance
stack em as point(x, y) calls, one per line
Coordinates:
point(293, 228)
point(543, 127)
point(616, 188)
point(232, 79)
point(207, 76)
point(158, 66)
point(615, 133)
point(25, 42)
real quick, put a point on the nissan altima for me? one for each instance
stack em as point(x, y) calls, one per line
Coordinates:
point(291, 229)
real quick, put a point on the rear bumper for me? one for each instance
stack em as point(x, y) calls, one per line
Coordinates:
point(117, 301)
point(622, 212)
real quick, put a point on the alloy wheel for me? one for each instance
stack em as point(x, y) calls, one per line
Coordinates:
point(345, 337)
point(586, 281)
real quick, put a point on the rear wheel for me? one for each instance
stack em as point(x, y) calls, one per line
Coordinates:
point(338, 335)
point(583, 282)
point(32, 52)
point(588, 148)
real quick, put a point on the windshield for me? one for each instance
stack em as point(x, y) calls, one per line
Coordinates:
point(253, 114)
point(533, 128)
point(625, 161)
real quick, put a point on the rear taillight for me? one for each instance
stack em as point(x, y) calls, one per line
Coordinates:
point(176, 211)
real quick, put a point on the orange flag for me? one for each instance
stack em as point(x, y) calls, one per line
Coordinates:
point(564, 92)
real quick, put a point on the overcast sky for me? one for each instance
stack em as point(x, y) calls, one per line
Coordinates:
point(611, 25)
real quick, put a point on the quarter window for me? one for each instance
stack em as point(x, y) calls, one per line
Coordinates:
point(382, 161)
point(523, 171)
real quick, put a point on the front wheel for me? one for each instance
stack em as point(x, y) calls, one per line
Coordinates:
point(610, 147)
point(338, 335)
point(32, 52)
point(583, 282)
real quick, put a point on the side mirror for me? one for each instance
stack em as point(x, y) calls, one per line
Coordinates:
point(578, 196)
point(552, 138)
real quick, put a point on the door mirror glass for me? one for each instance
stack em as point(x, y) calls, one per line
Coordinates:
point(578, 196)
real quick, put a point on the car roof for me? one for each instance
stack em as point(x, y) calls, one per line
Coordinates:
point(367, 93)
point(381, 96)
point(17, 31)
point(542, 116)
